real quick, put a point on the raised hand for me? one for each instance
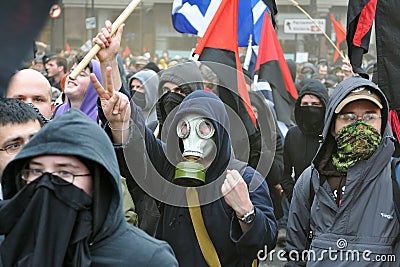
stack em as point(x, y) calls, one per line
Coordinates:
point(236, 194)
point(107, 55)
point(115, 106)
point(109, 44)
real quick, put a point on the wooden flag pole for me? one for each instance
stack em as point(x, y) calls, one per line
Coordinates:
point(96, 48)
point(319, 27)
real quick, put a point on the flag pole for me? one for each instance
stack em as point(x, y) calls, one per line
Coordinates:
point(96, 48)
point(247, 59)
point(319, 27)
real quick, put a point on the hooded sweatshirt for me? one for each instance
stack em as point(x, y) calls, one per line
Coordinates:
point(89, 103)
point(365, 222)
point(302, 140)
point(233, 247)
point(111, 241)
point(149, 80)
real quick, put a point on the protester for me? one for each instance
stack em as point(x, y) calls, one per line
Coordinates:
point(302, 140)
point(143, 88)
point(80, 91)
point(346, 196)
point(56, 68)
point(18, 123)
point(236, 242)
point(140, 62)
point(271, 158)
point(30, 86)
point(63, 198)
point(175, 84)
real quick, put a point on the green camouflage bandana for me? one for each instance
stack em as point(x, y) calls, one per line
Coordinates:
point(355, 142)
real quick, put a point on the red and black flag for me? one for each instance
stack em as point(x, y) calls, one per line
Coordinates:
point(340, 35)
point(21, 21)
point(218, 49)
point(387, 26)
point(272, 67)
point(360, 17)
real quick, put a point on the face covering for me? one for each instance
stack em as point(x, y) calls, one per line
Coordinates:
point(55, 221)
point(355, 142)
point(166, 104)
point(139, 98)
point(199, 150)
point(310, 119)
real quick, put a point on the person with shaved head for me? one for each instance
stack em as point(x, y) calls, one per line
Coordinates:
point(30, 86)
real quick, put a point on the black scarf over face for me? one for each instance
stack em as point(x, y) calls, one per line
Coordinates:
point(166, 104)
point(54, 222)
point(310, 119)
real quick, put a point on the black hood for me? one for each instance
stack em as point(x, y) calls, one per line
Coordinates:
point(207, 105)
point(311, 125)
point(313, 87)
point(75, 134)
point(186, 75)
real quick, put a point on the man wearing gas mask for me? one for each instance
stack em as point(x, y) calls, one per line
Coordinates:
point(216, 211)
point(302, 141)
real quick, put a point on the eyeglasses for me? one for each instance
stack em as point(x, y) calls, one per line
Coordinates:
point(204, 129)
point(67, 178)
point(12, 148)
point(351, 117)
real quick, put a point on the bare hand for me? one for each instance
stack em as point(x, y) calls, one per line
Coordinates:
point(236, 193)
point(109, 44)
point(115, 104)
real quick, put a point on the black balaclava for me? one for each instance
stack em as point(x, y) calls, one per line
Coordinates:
point(187, 76)
point(310, 119)
point(166, 104)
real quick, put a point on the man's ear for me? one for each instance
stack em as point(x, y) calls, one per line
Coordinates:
point(53, 106)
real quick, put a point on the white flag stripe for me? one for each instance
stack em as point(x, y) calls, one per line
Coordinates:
point(194, 15)
point(258, 10)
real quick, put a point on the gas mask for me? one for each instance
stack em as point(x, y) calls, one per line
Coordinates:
point(199, 150)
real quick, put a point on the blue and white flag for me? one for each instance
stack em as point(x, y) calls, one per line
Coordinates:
point(194, 16)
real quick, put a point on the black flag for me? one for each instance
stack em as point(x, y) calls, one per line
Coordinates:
point(21, 21)
point(360, 16)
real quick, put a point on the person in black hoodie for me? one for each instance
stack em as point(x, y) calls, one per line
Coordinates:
point(63, 203)
point(234, 201)
point(303, 140)
point(270, 164)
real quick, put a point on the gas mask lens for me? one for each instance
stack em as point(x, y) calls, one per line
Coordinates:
point(203, 127)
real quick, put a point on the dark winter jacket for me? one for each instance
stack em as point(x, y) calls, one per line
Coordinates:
point(365, 222)
point(300, 146)
point(270, 164)
point(233, 247)
point(113, 242)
